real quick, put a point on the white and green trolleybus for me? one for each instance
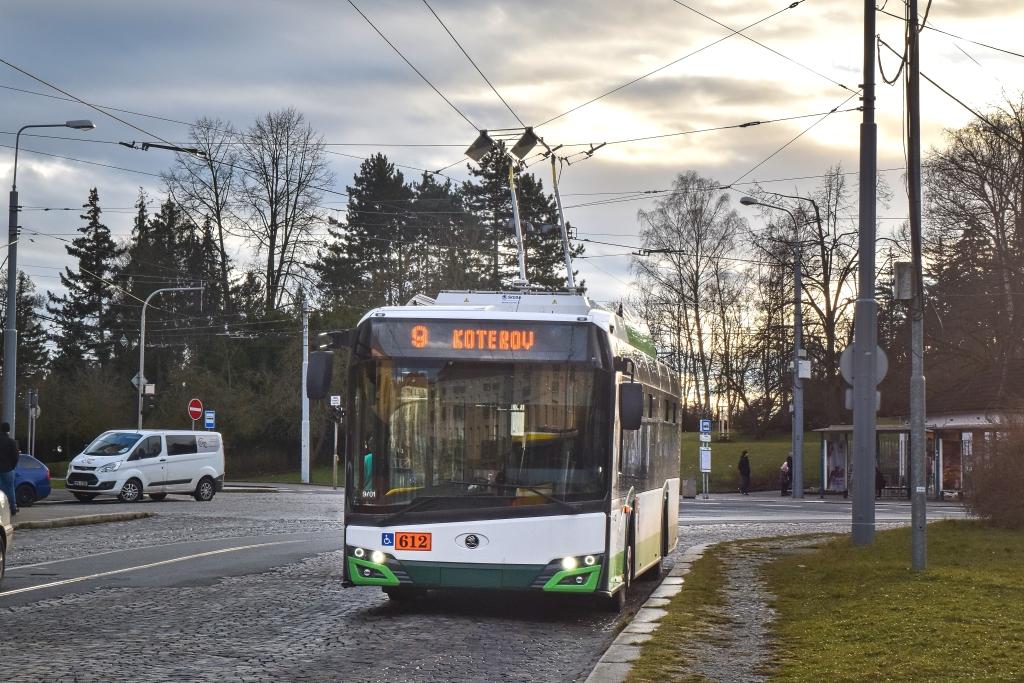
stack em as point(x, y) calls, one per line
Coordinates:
point(513, 440)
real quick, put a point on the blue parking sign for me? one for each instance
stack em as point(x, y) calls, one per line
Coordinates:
point(387, 539)
point(209, 419)
point(705, 426)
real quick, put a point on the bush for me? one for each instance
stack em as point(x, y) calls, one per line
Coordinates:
point(996, 479)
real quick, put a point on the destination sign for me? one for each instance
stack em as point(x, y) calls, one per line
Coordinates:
point(483, 339)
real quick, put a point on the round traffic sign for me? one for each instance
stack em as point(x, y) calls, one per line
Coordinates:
point(195, 409)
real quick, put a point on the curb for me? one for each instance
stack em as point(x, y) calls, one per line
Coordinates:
point(249, 489)
point(617, 661)
point(82, 520)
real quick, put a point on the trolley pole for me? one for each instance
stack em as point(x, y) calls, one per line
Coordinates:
point(521, 245)
point(570, 281)
point(866, 311)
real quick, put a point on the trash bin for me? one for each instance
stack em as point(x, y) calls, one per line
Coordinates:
point(689, 488)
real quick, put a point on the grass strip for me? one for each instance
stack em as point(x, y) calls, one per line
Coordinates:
point(850, 613)
point(690, 614)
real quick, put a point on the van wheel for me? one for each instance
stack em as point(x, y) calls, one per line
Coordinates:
point(25, 495)
point(131, 492)
point(157, 496)
point(84, 497)
point(205, 490)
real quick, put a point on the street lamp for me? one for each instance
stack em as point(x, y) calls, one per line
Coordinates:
point(142, 339)
point(11, 326)
point(797, 472)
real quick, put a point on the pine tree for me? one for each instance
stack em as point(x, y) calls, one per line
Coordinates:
point(33, 356)
point(82, 314)
point(372, 257)
point(453, 254)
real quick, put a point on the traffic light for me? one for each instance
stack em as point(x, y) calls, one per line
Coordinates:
point(148, 403)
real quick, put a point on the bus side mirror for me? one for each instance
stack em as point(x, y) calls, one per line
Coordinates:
point(631, 405)
point(318, 374)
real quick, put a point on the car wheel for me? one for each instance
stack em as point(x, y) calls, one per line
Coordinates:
point(25, 495)
point(205, 490)
point(157, 496)
point(131, 492)
point(84, 497)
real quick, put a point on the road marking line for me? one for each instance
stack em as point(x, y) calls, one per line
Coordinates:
point(79, 579)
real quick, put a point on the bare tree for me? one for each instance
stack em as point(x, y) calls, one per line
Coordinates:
point(689, 233)
point(205, 185)
point(284, 173)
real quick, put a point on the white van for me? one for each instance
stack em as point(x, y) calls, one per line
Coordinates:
point(129, 463)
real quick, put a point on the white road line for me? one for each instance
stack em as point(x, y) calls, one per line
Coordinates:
point(78, 579)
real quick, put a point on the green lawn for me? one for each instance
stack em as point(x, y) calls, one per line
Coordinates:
point(766, 456)
point(322, 475)
point(850, 613)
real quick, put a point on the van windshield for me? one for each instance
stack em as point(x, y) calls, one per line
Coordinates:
point(114, 443)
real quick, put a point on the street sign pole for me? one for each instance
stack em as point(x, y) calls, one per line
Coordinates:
point(335, 404)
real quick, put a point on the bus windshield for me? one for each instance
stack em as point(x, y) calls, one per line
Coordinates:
point(451, 434)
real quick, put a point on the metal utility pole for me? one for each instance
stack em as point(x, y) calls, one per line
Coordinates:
point(142, 339)
point(918, 490)
point(865, 332)
point(522, 281)
point(305, 396)
point(569, 279)
point(797, 445)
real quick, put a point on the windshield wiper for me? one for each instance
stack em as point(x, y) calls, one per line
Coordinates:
point(417, 503)
point(542, 494)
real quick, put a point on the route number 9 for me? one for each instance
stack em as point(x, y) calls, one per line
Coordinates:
point(420, 336)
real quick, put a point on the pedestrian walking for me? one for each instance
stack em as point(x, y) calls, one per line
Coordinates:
point(744, 468)
point(8, 461)
point(786, 476)
point(879, 482)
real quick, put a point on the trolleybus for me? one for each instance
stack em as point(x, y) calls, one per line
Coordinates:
point(513, 440)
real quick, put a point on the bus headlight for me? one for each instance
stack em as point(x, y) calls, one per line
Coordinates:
point(377, 557)
point(569, 563)
point(589, 560)
point(359, 552)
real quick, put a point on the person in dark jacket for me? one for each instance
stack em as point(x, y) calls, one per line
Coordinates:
point(744, 468)
point(8, 462)
point(879, 482)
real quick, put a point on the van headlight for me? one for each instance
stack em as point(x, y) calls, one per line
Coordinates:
point(109, 467)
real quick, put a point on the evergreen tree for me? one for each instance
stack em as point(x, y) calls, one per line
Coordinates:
point(453, 254)
point(33, 356)
point(372, 257)
point(82, 315)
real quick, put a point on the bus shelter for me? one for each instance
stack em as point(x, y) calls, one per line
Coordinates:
point(892, 458)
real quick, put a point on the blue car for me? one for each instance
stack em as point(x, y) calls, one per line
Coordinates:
point(31, 480)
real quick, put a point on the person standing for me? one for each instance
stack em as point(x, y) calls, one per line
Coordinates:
point(8, 462)
point(744, 468)
point(786, 476)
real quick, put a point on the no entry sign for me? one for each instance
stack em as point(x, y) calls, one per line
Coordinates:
point(195, 409)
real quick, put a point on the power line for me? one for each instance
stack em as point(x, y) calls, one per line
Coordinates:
point(794, 139)
point(486, 80)
point(792, 5)
point(411, 66)
point(756, 42)
point(953, 35)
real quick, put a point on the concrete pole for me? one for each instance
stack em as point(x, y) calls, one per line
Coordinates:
point(335, 459)
point(918, 489)
point(569, 279)
point(798, 384)
point(305, 397)
point(518, 226)
point(11, 324)
point(866, 311)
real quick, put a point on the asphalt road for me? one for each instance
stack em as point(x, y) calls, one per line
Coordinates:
point(247, 587)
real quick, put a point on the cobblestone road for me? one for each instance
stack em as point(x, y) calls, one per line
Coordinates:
point(295, 622)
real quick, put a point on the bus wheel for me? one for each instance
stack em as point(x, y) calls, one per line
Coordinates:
point(617, 602)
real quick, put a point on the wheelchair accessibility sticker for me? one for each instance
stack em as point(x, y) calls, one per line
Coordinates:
point(387, 539)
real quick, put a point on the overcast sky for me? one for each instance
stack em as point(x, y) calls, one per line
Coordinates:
point(236, 60)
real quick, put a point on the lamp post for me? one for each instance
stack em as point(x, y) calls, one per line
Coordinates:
point(797, 473)
point(10, 389)
point(142, 338)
